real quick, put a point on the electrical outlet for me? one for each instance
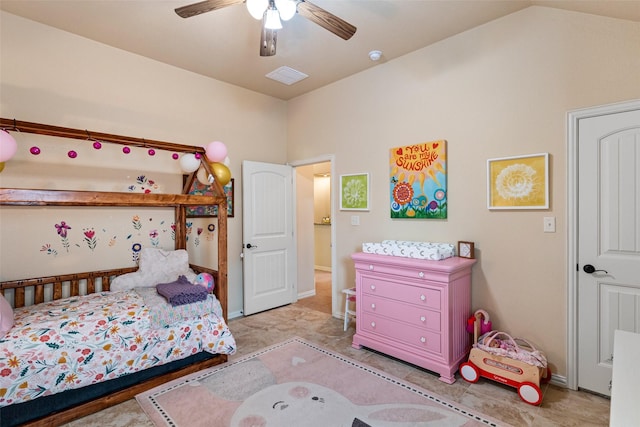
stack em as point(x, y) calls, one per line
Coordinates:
point(355, 220)
point(549, 224)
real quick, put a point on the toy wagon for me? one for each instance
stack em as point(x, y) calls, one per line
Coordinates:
point(514, 362)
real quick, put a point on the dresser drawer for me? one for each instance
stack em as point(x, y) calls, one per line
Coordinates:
point(419, 295)
point(417, 316)
point(401, 333)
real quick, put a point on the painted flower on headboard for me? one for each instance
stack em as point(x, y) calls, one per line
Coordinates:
point(62, 232)
point(144, 185)
point(198, 233)
point(154, 238)
point(189, 229)
point(136, 222)
point(135, 249)
point(90, 238)
point(49, 250)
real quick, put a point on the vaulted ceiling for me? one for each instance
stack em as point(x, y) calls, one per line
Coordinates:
point(224, 43)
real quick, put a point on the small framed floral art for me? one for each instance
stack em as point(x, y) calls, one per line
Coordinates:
point(354, 192)
point(209, 211)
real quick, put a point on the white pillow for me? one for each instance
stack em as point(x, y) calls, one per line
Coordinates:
point(6, 316)
point(155, 266)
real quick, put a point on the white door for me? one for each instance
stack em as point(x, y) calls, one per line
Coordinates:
point(269, 268)
point(608, 283)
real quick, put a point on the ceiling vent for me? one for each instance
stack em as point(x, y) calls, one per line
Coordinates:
point(287, 75)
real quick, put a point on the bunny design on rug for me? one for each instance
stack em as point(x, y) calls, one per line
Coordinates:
point(312, 405)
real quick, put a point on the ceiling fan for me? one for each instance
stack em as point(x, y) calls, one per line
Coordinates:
point(271, 12)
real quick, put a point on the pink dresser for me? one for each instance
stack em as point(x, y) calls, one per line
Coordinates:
point(415, 310)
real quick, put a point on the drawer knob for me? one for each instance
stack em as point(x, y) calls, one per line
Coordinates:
point(373, 306)
point(421, 274)
point(423, 298)
point(423, 340)
point(373, 287)
point(370, 266)
point(423, 319)
point(373, 324)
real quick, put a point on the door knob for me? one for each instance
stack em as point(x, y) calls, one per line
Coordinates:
point(588, 268)
point(249, 246)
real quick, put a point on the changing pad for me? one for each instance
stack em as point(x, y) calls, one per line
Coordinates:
point(409, 249)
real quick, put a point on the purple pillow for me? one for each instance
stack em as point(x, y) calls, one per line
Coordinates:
point(6, 316)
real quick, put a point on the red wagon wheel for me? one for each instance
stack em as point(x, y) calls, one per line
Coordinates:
point(530, 393)
point(469, 372)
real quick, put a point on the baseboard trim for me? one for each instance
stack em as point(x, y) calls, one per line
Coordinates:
point(558, 380)
point(307, 294)
point(235, 314)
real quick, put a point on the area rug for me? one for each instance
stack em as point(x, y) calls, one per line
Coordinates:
point(299, 384)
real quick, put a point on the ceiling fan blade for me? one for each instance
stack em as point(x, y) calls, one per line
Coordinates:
point(204, 6)
point(268, 42)
point(326, 20)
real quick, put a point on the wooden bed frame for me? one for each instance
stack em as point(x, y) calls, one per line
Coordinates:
point(102, 279)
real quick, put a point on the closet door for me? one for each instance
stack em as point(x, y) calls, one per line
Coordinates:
point(269, 268)
point(609, 240)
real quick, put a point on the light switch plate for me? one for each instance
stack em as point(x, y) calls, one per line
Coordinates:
point(549, 224)
point(355, 220)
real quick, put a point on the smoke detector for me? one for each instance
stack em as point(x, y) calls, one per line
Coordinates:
point(375, 55)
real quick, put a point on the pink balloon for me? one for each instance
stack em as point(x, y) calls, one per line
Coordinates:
point(8, 146)
point(216, 151)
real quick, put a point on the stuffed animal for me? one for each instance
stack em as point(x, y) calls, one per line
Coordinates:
point(206, 280)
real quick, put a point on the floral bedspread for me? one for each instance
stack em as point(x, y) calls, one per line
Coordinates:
point(78, 341)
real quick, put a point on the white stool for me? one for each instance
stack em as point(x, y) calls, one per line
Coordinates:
point(349, 297)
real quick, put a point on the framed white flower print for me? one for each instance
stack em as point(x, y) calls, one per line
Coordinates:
point(354, 192)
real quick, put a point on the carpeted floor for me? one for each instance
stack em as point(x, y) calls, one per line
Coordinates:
point(560, 407)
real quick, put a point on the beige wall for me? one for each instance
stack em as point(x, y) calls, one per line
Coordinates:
point(53, 77)
point(499, 90)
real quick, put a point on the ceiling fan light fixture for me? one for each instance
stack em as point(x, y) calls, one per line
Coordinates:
point(287, 8)
point(257, 7)
point(272, 19)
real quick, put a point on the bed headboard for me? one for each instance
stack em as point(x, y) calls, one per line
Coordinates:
point(101, 279)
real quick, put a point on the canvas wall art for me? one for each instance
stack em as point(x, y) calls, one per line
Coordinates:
point(418, 180)
point(520, 182)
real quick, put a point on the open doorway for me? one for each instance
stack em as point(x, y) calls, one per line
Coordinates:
point(314, 234)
